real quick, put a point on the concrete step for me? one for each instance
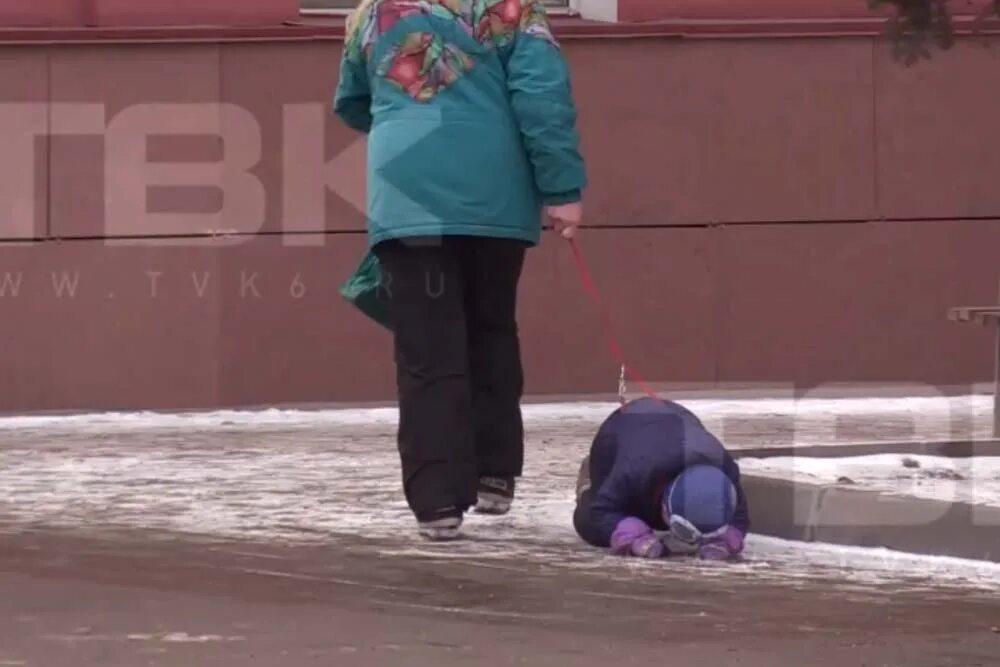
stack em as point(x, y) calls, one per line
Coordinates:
point(806, 512)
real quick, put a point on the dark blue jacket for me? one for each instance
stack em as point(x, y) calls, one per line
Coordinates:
point(636, 454)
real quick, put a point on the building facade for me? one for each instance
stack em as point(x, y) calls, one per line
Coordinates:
point(775, 201)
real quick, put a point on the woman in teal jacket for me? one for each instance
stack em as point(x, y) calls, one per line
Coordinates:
point(471, 137)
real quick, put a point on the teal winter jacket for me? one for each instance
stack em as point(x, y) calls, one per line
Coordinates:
point(469, 114)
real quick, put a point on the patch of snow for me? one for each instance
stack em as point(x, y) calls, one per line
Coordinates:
point(168, 637)
point(973, 480)
point(874, 566)
point(591, 412)
point(185, 638)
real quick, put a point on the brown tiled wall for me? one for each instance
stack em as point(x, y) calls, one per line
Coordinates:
point(783, 211)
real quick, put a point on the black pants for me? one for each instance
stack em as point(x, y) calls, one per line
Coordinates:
point(592, 467)
point(452, 304)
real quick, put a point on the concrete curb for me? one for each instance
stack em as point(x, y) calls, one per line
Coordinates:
point(849, 516)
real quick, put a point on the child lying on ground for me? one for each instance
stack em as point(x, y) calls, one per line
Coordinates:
point(653, 466)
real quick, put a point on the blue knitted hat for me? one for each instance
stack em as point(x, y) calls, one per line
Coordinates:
point(703, 495)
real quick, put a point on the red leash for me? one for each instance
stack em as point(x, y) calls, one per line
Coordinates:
point(609, 332)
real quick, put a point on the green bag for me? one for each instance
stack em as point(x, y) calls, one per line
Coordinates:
point(362, 290)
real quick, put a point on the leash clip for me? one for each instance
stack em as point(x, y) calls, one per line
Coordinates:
point(621, 386)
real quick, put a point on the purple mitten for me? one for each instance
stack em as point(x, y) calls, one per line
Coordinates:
point(648, 546)
point(626, 532)
point(633, 537)
point(726, 546)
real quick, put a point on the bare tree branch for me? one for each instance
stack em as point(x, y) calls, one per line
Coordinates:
point(919, 25)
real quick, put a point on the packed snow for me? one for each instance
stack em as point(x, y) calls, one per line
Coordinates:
point(797, 420)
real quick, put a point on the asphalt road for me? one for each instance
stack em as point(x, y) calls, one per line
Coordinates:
point(132, 599)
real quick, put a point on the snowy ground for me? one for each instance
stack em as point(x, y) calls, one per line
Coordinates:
point(973, 480)
point(333, 475)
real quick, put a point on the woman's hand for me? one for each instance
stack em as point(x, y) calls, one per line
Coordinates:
point(565, 218)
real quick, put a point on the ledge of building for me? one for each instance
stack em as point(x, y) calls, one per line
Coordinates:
point(309, 28)
point(180, 34)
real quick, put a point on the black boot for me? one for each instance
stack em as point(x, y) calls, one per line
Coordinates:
point(495, 495)
point(440, 526)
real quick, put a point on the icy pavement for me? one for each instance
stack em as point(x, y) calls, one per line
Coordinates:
point(300, 476)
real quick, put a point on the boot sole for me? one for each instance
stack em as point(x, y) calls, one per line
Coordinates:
point(495, 505)
point(440, 534)
point(441, 530)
